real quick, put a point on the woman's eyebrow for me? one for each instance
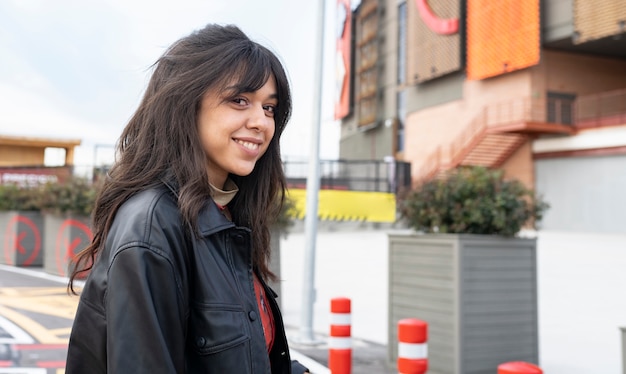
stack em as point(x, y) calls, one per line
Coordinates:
point(233, 90)
point(240, 88)
point(237, 89)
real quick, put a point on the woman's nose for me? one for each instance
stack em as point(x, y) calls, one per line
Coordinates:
point(259, 120)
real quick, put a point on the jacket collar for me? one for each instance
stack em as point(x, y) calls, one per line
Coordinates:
point(210, 219)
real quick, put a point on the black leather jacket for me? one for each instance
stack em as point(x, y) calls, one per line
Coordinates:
point(157, 302)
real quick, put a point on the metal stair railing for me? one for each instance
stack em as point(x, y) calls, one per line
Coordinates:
point(487, 120)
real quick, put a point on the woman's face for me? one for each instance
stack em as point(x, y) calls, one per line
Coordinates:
point(236, 129)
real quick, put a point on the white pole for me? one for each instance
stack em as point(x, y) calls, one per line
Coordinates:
point(312, 192)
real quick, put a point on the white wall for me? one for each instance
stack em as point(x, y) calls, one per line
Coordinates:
point(582, 284)
point(348, 264)
point(584, 193)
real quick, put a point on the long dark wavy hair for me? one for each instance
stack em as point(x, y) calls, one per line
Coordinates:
point(161, 141)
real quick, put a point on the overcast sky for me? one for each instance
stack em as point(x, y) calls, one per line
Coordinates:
point(74, 69)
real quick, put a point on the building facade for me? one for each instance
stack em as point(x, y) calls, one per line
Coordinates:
point(536, 88)
point(22, 159)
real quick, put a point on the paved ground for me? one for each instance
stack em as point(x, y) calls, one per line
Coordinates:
point(35, 319)
point(44, 313)
point(367, 357)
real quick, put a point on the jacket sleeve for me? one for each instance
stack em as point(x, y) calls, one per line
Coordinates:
point(145, 314)
point(298, 368)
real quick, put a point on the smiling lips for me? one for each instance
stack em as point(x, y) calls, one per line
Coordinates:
point(248, 145)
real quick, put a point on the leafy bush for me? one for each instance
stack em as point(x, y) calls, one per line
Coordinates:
point(77, 196)
point(285, 217)
point(472, 200)
point(74, 196)
point(14, 197)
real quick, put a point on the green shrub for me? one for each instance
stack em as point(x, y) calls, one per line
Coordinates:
point(14, 197)
point(77, 196)
point(74, 196)
point(285, 217)
point(472, 200)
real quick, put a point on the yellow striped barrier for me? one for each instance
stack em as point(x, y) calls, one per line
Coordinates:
point(341, 205)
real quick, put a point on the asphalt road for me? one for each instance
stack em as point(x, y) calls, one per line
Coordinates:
point(36, 315)
point(367, 357)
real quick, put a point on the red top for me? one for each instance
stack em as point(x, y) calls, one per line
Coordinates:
point(266, 313)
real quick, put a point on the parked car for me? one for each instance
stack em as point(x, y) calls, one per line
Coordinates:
point(8, 352)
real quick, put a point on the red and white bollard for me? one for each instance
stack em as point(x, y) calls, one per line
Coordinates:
point(518, 367)
point(340, 341)
point(412, 347)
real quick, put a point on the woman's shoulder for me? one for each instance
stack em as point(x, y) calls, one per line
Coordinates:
point(149, 200)
point(147, 213)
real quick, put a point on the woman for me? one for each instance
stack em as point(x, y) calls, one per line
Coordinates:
point(179, 260)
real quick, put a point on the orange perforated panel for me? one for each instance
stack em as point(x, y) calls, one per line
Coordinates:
point(433, 40)
point(598, 19)
point(502, 36)
point(342, 59)
point(367, 62)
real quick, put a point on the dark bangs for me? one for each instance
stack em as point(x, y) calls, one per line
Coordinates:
point(250, 74)
point(254, 65)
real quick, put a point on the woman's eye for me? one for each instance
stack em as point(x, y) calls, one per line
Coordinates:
point(271, 109)
point(239, 101)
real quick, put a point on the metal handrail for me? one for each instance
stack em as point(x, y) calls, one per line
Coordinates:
point(506, 112)
point(601, 108)
point(354, 175)
point(606, 108)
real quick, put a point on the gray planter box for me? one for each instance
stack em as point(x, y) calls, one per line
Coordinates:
point(65, 236)
point(275, 261)
point(477, 293)
point(21, 238)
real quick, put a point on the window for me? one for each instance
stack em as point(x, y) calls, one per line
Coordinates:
point(401, 111)
point(402, 43)
point(54, 156)
point(560, 108)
